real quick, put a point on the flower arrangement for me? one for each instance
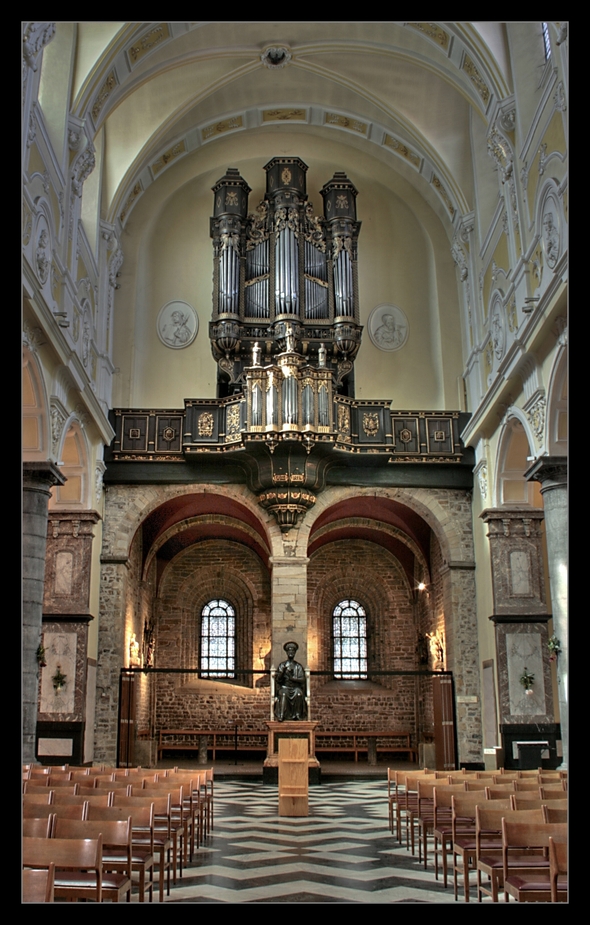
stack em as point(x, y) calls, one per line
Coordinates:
point(554, 647)
point(526, 679)
point(41, 656)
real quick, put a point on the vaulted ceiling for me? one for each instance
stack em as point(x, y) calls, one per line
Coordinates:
point(404, 93)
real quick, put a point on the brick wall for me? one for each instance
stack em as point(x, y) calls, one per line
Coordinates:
point(210, 570)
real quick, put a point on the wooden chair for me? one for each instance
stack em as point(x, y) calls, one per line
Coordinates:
point(463, 837)
point(179, 820)
point(558, 870)
point(554, 813)
point(78, 864)
point(442, 829)
point(79, 799)
point(38, 827)
point(554, 791)
point(391, 798)
point(142, 829)
point(206, 776)
point(40, 798)
point(161, 839)
point(116, 853)
point(526, 800)
point(488, 837)
point(527, 877)
point(38, 885)
point(409, 804)
point(194, 803)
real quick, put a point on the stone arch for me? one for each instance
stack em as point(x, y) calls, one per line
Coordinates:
point(515, 450)
point(557, 417)
point(35, 410)
point(73, 456)
point(128, 511)
point(432, 505)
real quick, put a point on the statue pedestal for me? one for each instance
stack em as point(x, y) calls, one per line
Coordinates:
point(290, 729)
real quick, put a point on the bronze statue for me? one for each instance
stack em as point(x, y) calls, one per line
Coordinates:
point(290, 687)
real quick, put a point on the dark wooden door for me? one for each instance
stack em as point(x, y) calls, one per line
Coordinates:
point(126, 751)
point(444, 723)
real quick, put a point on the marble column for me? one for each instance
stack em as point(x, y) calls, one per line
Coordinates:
point(38, 480)
point(551, 472)
point(520, 617)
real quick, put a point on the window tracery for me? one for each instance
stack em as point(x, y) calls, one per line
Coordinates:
point(349, 639)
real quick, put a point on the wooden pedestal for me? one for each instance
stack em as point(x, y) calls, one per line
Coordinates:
point(293, 777)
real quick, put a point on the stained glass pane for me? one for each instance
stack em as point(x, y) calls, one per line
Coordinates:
point(218, 631)
point(349, 631)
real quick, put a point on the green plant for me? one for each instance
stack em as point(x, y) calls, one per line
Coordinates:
point(526, 679)
point(58, 679)
point(554, 647)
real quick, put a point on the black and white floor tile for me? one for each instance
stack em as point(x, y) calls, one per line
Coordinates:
point(342, 852)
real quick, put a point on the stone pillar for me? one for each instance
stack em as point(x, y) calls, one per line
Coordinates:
point(462, 657)
point(289, 606)
point(111, 655)
point(551, 472)
point(38, 480)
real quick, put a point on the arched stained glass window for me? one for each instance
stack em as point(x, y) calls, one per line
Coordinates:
point(349, 633)
point(218, 640)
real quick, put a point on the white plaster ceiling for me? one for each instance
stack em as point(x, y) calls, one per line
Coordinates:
point(392, 78)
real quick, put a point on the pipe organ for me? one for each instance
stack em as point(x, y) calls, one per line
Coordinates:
point(284, 280)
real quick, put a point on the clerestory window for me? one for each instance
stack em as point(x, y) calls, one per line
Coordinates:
point(218, 640)
point(546, 41)
point(349, 639)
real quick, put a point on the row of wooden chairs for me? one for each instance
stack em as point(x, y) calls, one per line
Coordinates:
point(440, 806)
point(181, 804)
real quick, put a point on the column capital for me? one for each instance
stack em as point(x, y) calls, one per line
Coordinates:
point(513, 521)
point(42, 474)
point(550, 471)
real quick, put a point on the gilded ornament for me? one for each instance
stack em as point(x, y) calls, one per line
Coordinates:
point(333, 118)
point(103, 94)
point(445, 196)
point(476, 79)
point(283, 115)
point(233, 420)
point(433, 31)
point(168, 156)
point(168, 434)
point(205, 424)
point(370, 423)
point(341, 202)
point(231, 198)
point(286, 176)
point(402, 149)
point(405, 435)
point(137, 189)
point(226, 125)
point(149, 41)
point(343, 423)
